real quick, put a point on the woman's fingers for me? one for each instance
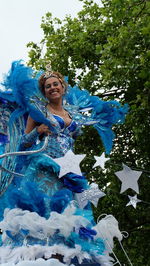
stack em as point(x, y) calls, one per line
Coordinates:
point(43, 129)
point(47, 131)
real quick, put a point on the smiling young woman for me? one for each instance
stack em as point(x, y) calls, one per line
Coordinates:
point(43, 210)
point(53, 87)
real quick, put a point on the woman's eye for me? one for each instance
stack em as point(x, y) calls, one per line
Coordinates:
point(55, 83)
point(47, 86)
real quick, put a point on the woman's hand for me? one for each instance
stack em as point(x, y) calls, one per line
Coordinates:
point(43, 129)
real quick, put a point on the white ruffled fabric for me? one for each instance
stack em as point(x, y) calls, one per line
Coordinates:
point(32, 253)
point(40, 228)
point(107, 228)
point(38, 262)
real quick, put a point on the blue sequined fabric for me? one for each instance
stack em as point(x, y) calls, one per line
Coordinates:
point(60, 143)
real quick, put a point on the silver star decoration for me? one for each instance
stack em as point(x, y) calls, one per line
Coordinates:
point(70, 163)
point(133, 201)
point(93, 194)
point(100, 161)
point(128, 178)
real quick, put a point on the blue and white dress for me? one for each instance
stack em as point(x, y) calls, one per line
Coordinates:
point(40, 213)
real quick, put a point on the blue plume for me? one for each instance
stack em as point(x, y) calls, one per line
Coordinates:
point(92, 247)
point(6, 96)
point(106, 113)
point(21, 84)
point(75, 183)
point(60, 200)
point(28, 197)
point(77, 97)
point(40, 163)
point(87, 233)
point(3, 139)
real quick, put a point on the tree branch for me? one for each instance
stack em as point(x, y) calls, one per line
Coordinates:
point(144, 5)
point(139, 228)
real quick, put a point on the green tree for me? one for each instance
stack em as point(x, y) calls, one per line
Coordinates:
point(107, 50)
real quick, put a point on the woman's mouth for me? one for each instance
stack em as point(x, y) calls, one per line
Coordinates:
point(53, 92)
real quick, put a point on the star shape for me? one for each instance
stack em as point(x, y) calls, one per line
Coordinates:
point(133, 201)
point(100, 161)
point(93, 194)
point(70, 163)
point(129, 178)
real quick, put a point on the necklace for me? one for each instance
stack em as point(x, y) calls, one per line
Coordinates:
point(61, 112)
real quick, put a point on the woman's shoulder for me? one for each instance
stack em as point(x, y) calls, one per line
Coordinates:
point(31, 124)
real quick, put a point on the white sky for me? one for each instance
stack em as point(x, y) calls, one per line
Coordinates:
point(20, 23)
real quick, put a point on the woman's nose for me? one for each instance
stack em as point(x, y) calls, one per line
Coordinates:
point(53, 86)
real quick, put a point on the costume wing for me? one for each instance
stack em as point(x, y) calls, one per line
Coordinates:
point(9, 139)
point(103, 114)
point(19, 99)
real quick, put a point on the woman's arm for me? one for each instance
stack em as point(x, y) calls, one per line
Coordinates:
point(33, 131)
point(31, 124)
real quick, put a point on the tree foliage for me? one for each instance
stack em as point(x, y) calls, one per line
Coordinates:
point(106, 49)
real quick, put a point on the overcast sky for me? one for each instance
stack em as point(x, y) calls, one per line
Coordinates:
point(20, 23)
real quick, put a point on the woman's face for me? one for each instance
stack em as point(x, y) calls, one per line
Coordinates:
point(53, 89)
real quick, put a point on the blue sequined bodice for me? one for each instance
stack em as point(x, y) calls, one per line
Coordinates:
point(60, 143)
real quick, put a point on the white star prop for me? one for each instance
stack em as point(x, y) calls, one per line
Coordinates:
point(133, 201)
point(100, 161)
point(70, 163)
point(93, 194)
point(128, 178)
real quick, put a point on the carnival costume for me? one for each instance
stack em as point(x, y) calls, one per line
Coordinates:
point(40, 213)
